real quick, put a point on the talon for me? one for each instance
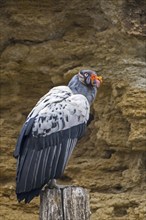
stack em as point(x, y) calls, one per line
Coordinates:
point(53, 185)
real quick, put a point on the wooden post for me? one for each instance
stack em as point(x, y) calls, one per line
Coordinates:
point(69, 203)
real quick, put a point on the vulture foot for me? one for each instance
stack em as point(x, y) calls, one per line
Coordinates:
point(52, 184)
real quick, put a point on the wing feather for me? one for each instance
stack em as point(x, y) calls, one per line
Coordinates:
point(44, 165)
point(26, 128)
point(55, 161)
point(49, 163)
point(36, 182)
point(28, 180)
point(20, 164)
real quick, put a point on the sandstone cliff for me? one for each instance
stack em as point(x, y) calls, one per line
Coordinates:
point(43, 43)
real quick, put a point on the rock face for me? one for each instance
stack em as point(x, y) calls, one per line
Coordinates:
point(42, 45)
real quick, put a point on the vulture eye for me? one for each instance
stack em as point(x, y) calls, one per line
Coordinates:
point(85, 74)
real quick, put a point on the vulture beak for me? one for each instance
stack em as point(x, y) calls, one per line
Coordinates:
point(96, 80)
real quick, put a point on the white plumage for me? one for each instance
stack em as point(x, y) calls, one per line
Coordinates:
point(58, 110)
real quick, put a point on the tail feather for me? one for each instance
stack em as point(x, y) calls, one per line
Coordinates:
point(28, 196)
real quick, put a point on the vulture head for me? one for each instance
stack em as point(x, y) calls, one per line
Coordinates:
point(90, 78)
point(86, 82)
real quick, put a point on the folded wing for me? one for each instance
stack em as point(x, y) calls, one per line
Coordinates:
point(48, 138)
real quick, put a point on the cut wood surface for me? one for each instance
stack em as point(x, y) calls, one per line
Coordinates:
point(69, 203)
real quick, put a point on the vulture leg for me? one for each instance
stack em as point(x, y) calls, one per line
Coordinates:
point(52, 184)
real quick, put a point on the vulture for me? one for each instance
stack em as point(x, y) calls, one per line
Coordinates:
point(50, 133)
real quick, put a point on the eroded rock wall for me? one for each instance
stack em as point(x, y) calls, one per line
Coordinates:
point(42, 45)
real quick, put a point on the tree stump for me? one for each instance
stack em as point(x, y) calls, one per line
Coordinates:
point(69, 203)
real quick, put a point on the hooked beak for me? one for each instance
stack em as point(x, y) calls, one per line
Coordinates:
point(96, 80)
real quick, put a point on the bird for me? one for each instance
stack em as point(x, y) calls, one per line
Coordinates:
point(50, 133)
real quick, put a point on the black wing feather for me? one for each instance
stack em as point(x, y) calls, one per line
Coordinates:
point(44, 165)
point(29, 178)
point(44, 158)
point(55, 161)
point(26, 128)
